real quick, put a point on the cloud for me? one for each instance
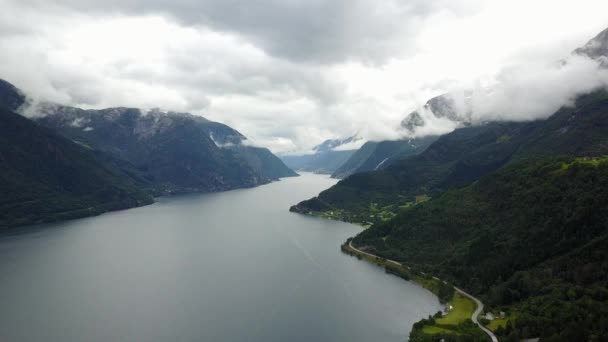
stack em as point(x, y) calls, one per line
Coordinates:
point(317, 31)
point(525, 92)
point(536, 90)
point(528, 91)
point(353, 145)
point(287, 74)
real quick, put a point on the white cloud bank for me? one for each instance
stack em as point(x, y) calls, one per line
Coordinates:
point(290, 74)
point(536, 90)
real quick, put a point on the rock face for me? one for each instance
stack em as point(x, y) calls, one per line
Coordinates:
point(179, 152)
point(412, 121)
point(596, 48)
point(442, 107)
point(332, 144)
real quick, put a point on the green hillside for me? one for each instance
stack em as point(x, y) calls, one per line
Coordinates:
point(530, 238)
point(45, 177)
point(465, 155)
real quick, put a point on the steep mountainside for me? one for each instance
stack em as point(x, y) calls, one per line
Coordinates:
point(11, 98)
point(465, 155)
point(374, 156)
point(180, 152)
point(263, 162)
point(114, 158)
point(596, 48)
point(531, 238)
point(45, 177)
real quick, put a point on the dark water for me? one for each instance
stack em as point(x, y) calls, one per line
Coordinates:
point(233, 266)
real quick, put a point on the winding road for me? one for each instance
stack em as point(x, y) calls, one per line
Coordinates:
point(466, 294)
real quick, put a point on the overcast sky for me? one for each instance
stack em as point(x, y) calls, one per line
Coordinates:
point(286, 73)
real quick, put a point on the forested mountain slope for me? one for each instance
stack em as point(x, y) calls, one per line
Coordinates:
point(180, 152)
point(530, 238)
point(45, 177)
point(467, 154)
point(378, 155)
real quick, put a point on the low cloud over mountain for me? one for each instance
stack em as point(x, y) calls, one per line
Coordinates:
point(292, 73)
point(527, 91)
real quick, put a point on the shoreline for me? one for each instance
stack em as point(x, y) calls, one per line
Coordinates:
point(348, 247)
point(109, 207)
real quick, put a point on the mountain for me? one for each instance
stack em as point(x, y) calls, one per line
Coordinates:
point(325, 159)
point(446, 107)
point(442, 106)
point(513, 212)
point(180, 152)
point(374, 156)
point(596, 48)
point(463, 156)
point(468, 153)
point(322, 162)
point(531, 239)
point(11, 98)
point(72, 162)
point(332, 144)
point(45, 177)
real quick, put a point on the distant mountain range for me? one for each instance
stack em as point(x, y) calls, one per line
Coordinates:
point(371, 156)
point(468, 153)
point(136, 153)
point(180, 152)
point(325, 159)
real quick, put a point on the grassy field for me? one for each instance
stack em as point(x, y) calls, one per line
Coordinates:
point(495, 324)
point(501, 322)
point(373, 214)
point(434, 330)
point(462, 310)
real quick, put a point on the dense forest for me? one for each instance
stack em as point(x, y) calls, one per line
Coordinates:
point(530, 239)
point(45, 177)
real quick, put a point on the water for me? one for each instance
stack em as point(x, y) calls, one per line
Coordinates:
point(232, 266)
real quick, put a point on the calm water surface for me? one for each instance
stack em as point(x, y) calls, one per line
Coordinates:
point(232, 266)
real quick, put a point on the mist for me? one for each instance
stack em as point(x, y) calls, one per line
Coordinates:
point(532, 91)
point(528, 91)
